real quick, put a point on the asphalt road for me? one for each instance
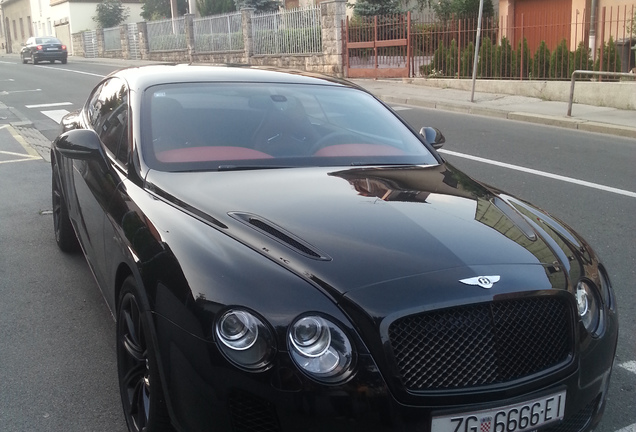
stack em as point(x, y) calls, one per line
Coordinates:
point(57, 351)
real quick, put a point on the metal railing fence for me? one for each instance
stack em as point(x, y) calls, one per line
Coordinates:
point(167, 35)
point(112, 39)
point(526, 46)
point(294, 31)
point(218, 33)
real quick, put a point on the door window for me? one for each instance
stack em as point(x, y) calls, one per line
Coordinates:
point(108, 115)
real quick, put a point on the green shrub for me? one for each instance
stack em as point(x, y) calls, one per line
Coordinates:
point(521, 70)
point(219, 42)
point(541, 64)
point(487, 59)
point(505, 59)
point(451, 59)
point(560, 61)
point(439, 59)
point(611, 61)
point(582, 59)
point(167, 42)
point(468, 57)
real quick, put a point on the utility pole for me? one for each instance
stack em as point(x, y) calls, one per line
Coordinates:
point(481, 11)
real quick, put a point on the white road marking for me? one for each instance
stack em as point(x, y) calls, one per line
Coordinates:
point(630, 428)
point(10, 79)
point(55, 115)
point(542, 174)
point(75, 71)
point(49, 105)
point(4, 93)
point(630, 366)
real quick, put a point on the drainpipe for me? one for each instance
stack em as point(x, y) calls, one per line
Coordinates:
point(592, 44)
point(4, 31)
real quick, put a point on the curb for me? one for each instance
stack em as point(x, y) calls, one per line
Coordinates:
point(562, 122)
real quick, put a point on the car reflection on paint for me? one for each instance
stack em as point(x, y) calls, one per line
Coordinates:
point(282, 253)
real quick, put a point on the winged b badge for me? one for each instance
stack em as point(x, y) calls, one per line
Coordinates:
point(483, 281)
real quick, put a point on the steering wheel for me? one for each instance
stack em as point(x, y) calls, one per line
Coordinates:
point(333, 138)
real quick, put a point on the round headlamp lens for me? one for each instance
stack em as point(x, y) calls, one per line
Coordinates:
point(311, 336)
point(245, 339)
point(321, 349)
point(588, 306)
point(237, 330)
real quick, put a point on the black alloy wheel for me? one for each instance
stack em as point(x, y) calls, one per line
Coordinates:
point(64, 234)
point(139, 383)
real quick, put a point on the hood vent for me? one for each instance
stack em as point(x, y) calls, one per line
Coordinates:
point(280, 235)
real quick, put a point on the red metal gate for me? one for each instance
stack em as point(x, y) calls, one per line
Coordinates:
point(378, 47)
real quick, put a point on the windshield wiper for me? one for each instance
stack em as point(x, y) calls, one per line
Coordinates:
point(381, 164)
point(249, 167)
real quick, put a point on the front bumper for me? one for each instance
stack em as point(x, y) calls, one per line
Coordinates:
point(205, 390)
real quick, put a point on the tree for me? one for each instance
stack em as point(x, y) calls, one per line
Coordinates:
point(110, 13)
point(215, 7)
point(160, 9)
point(446, 9)
point(259, 5)
point(376, 7)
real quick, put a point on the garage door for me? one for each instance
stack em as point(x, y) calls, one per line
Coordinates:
point(63, 33)
point(543, 20)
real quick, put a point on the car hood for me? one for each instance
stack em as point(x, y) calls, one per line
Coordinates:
point(364, 228)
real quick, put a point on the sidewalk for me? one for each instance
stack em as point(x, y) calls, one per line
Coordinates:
point(609, 121)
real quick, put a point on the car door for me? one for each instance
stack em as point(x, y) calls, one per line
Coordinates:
point(95, 180)
point(26, 49)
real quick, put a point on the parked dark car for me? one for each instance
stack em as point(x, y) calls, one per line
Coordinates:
point(45, 48)
point(281, 252)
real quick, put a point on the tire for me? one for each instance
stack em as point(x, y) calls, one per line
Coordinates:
point(64, 234)
point(24, 60)
point(33, 60)
point(64, 61)
point(139, 382)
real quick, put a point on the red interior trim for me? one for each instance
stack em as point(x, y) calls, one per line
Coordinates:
point(205, 154)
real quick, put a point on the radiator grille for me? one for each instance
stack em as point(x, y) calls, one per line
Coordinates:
point(481, 344)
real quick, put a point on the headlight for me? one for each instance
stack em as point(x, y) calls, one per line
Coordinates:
point(588, 304)
point(320, 348)
point(244, 339)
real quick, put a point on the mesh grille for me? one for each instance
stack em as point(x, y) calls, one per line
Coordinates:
point(252, 414)
point(481, 344)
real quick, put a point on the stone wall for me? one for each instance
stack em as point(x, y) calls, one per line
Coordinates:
point(330, 61)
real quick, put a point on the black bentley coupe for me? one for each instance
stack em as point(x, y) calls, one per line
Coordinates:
point(281, 252)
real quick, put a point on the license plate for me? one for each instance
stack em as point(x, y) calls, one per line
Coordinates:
point(520, 417)
point(52, 49)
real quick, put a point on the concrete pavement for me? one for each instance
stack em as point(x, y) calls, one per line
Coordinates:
point(417, 92)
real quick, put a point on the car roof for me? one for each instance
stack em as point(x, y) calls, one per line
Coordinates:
point(146, 76)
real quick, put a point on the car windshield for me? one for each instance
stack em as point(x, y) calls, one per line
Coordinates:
point(223, 126)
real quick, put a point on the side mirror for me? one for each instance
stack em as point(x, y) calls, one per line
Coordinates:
point(79, 144)
point(70, 121)
point(433, 136)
